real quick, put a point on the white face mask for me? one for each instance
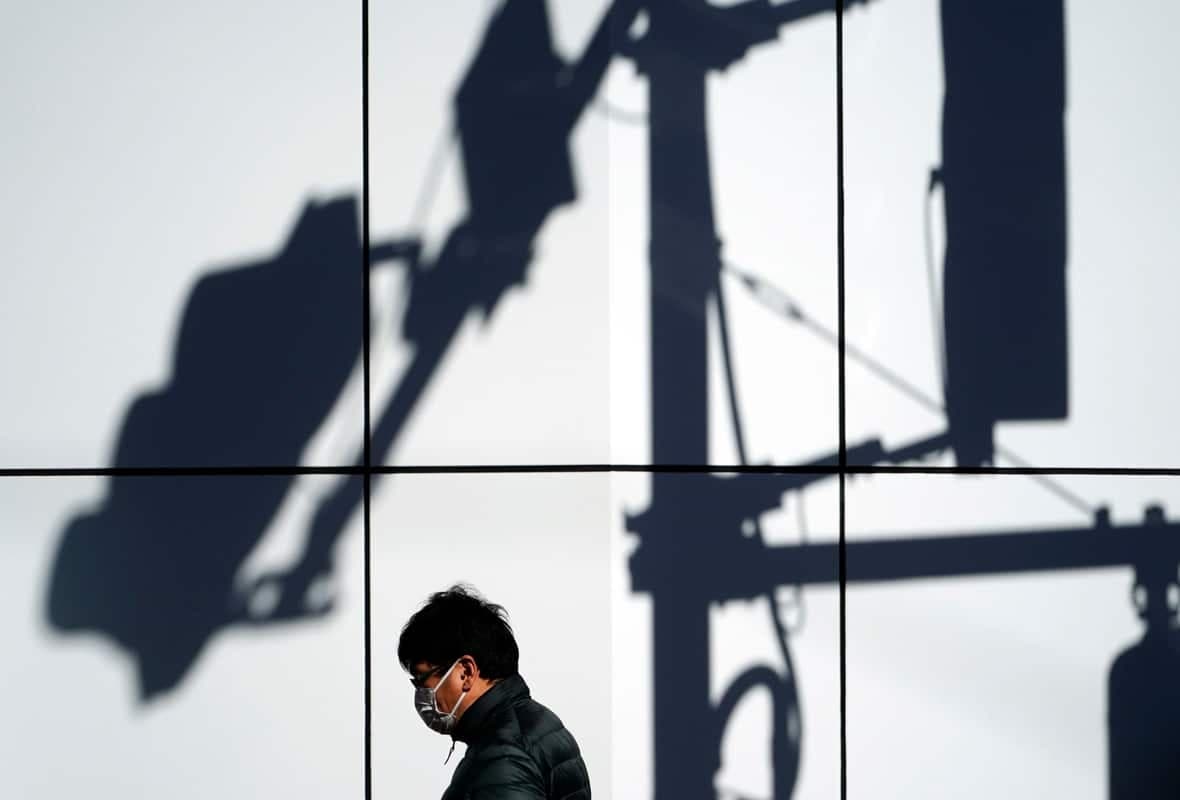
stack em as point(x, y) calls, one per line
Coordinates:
point(426, 704)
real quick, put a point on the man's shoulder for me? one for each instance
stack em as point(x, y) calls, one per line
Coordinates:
point(519, 724)
point(530, 726)
point(535, 719)
point(545, 737)
point(527, 744)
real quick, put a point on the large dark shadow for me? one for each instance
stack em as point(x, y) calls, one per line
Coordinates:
point(262, 354)
point(1004, 322)
point(265, 349)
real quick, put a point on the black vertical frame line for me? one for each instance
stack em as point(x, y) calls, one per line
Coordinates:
point(367, 472)
point(842, 570)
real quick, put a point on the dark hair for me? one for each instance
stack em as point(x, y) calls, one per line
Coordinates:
point(460, 622)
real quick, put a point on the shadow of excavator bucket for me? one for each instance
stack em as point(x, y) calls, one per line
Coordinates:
point(262, 355)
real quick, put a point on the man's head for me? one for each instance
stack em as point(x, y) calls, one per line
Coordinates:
point(458, 645)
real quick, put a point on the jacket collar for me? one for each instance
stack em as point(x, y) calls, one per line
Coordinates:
point(502, 694)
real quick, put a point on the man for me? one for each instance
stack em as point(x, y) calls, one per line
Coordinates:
point(462, 658)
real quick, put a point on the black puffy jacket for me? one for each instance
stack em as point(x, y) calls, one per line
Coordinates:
point(516, 750)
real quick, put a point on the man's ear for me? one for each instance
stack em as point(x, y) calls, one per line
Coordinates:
point(469, 668)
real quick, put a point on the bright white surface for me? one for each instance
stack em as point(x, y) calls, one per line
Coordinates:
point(535, 544)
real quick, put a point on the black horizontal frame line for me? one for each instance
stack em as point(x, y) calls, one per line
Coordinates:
point(500, 469)
point(164, 472)
point(901, 469)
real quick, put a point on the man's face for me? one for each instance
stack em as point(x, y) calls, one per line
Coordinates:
point(430, 676)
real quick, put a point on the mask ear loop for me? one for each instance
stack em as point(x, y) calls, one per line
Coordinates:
point(434, 691)
point(452, 713)
point(458, 702)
